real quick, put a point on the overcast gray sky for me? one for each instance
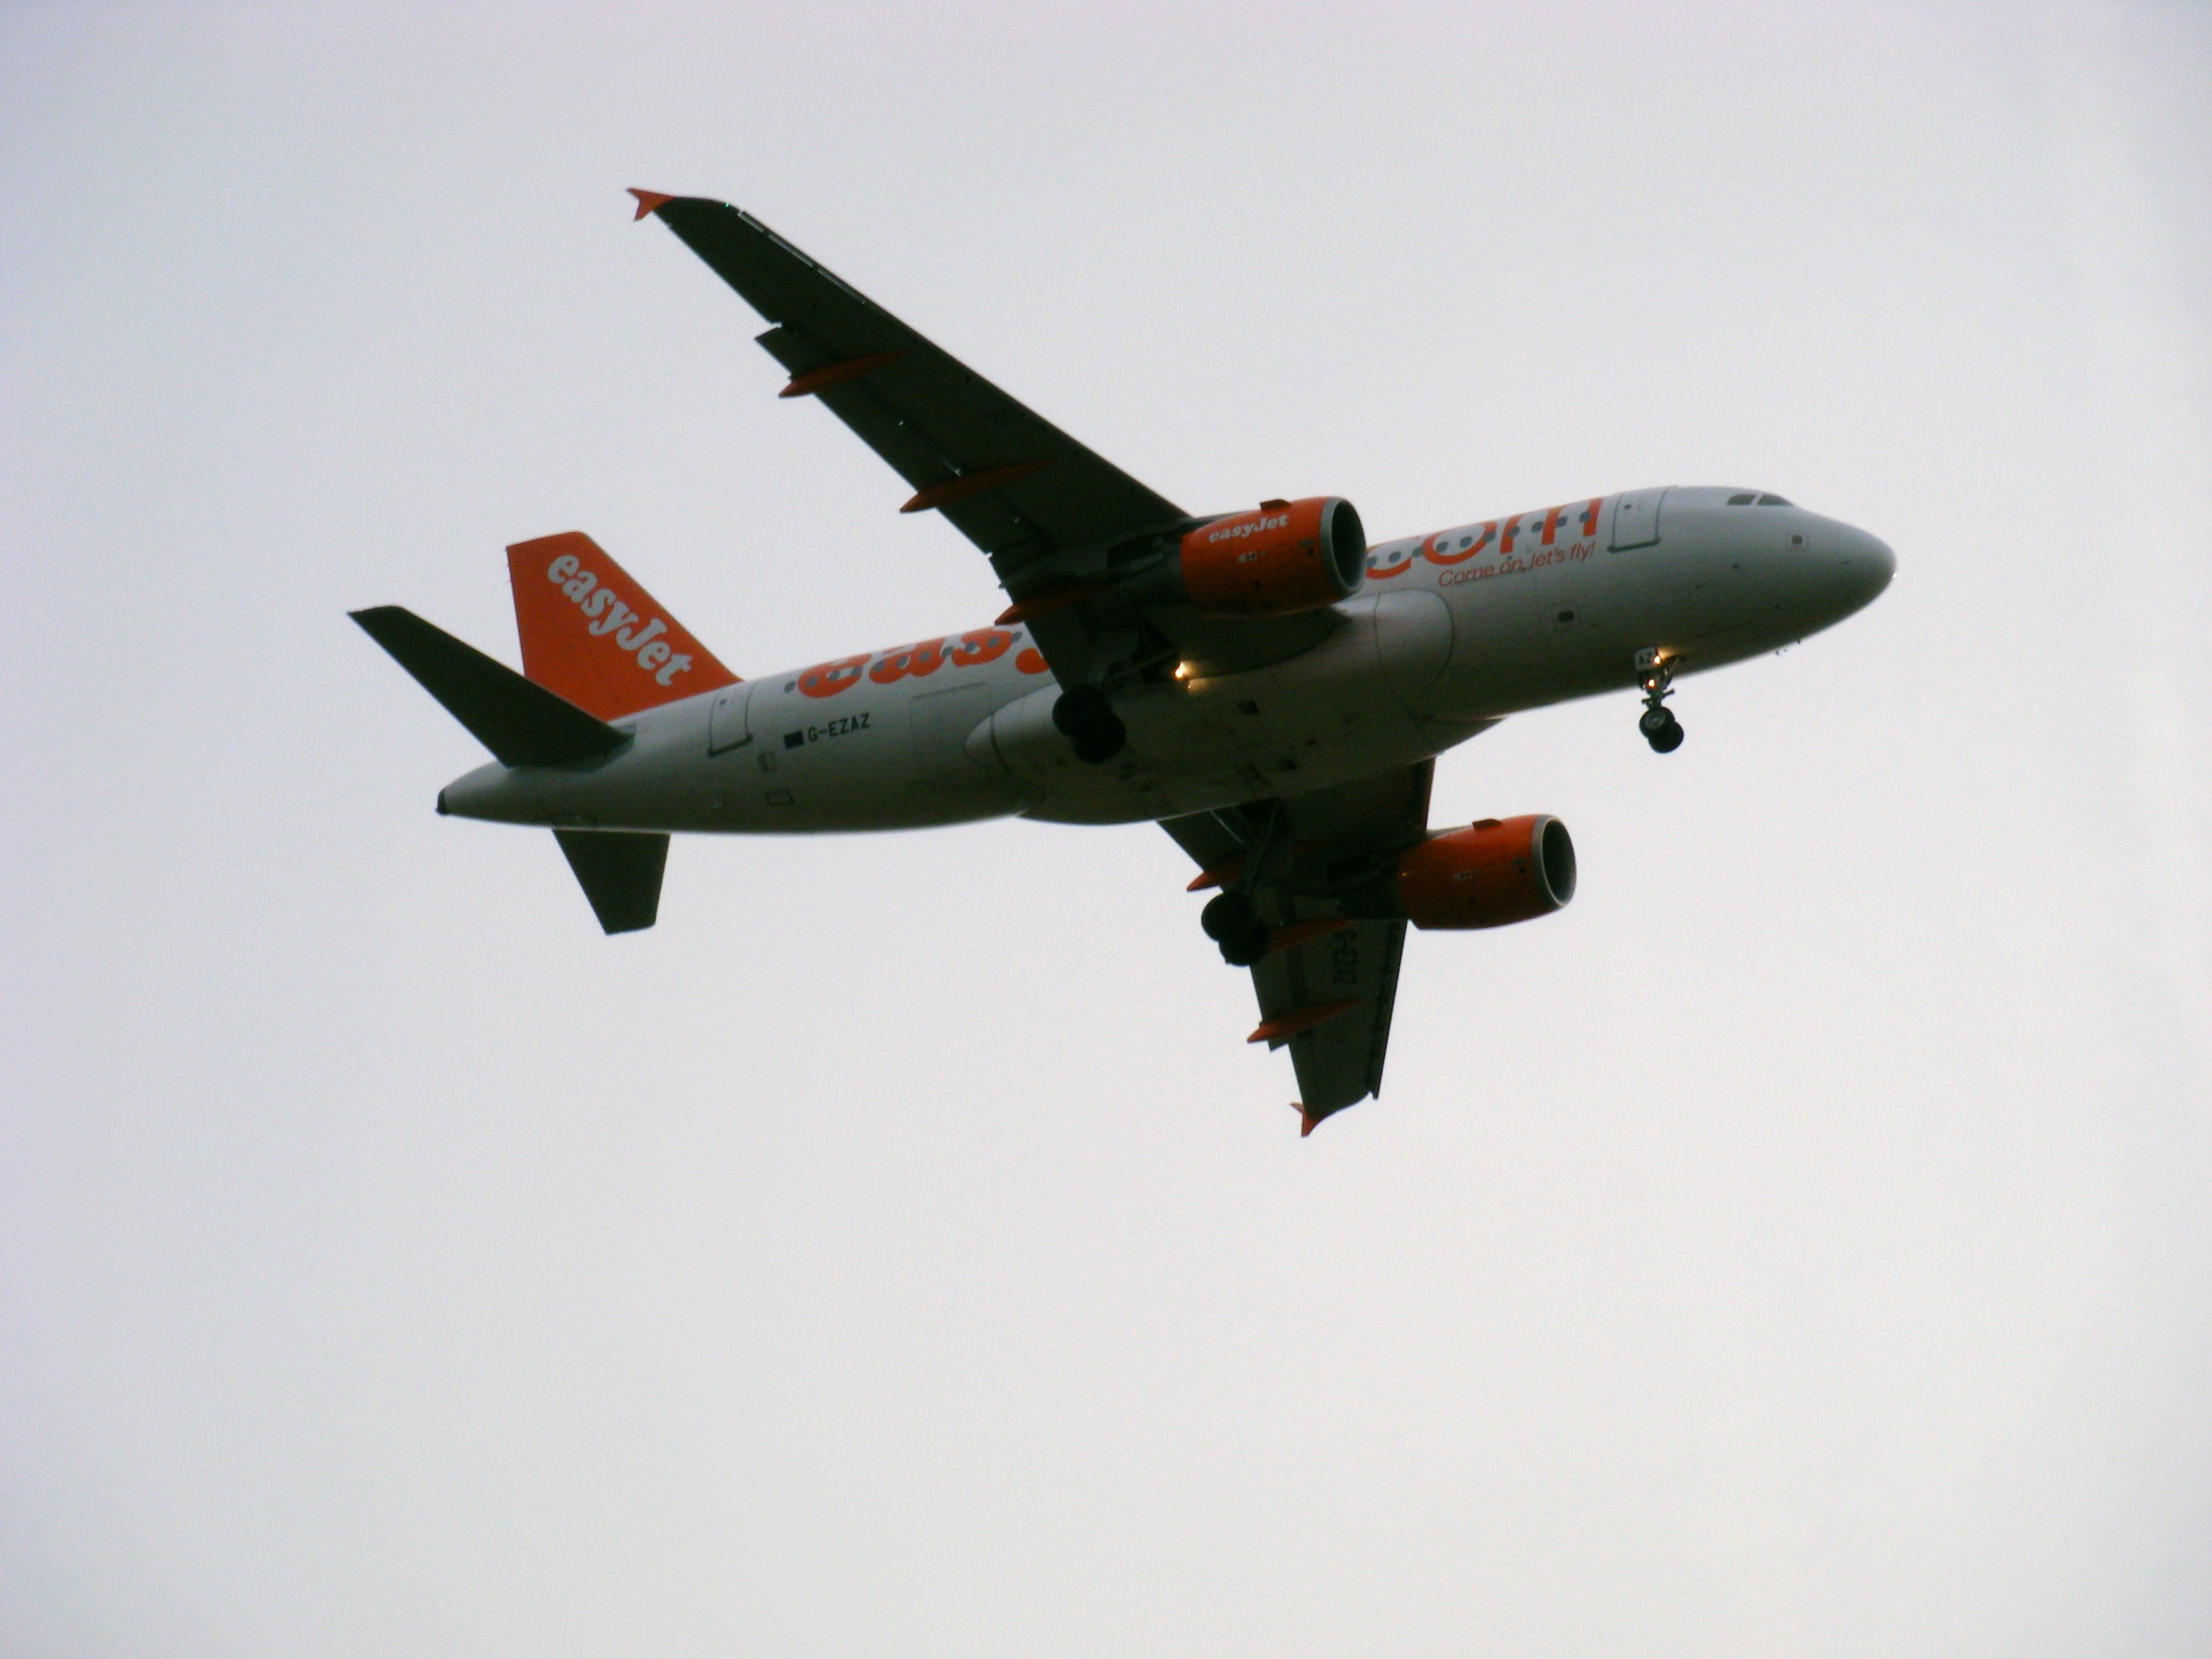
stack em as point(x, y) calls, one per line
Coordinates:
point(1800, 1246)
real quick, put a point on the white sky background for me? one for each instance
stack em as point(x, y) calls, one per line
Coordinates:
point(1801, 1245)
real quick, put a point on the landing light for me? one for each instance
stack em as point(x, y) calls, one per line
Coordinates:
point(1182, 671)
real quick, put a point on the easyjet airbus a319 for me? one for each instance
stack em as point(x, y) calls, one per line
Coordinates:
point(1265, 685)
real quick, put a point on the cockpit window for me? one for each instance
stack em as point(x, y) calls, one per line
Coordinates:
point(1772, 501)
point(1744, 499)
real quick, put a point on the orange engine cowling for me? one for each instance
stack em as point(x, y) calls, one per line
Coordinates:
point(1494, 872)
point(1288, 556)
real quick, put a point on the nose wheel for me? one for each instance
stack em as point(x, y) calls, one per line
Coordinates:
point(1089, 724)
point(1657, 722)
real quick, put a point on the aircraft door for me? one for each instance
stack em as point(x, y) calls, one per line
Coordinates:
point(1636, 519)
point(729, 718)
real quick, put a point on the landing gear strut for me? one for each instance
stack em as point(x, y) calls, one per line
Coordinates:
point(1657, 722)
point(1089, 724)
point(1230, 919)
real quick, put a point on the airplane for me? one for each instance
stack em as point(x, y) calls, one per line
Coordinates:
point(1264, 684)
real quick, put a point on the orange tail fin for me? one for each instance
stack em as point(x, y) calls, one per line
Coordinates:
point(593, 636)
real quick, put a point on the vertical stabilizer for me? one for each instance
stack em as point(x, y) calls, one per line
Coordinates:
point(593, 635)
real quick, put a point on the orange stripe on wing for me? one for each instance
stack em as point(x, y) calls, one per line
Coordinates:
point(944, 492)
point(829, 374)
point(1048, 600)
point(1301, 932)
point(1283, 1027)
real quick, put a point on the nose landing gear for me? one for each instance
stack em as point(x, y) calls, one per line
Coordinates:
point(1089, 724)
point(1657, 722)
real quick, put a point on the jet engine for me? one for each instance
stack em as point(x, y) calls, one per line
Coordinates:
point(1288, 556)
point(1494, 872)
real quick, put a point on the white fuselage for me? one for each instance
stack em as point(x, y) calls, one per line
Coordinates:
point(1453, 631)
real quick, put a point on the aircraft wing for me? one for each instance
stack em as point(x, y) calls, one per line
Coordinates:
point(1015, 484)
point(1326, 991)
point(1057, 520)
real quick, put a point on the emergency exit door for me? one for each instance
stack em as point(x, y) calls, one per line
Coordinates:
point(728, 718)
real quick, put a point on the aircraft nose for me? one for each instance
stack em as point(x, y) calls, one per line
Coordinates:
point(1864, 565)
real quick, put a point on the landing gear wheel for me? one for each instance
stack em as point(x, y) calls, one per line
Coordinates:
point(1089, 724)
point(1096, 744)
point(1654, 673)
point(1080, 709)
point(1227, 915)
point(1248, 948)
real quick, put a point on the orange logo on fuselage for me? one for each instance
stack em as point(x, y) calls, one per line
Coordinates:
point(1451, 547)
point(974, 649)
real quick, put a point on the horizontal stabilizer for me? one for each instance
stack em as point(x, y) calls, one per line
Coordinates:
point(521, 723)
point(620, 871)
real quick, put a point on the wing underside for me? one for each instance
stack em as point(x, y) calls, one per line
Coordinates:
point(1060, 523)
point(1012, 482)
point(1327, 990)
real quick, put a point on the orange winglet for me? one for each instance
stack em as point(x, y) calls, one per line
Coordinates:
point(948, 490)
point(1051, 600)
point(1307, 1120)
point(648, 201)
point(1289, 938)
point(829, 374)
point(1286, 1026)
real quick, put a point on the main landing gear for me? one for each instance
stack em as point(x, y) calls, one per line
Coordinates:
point(1232, 921)
point(1657, 722)
point(1089, 724)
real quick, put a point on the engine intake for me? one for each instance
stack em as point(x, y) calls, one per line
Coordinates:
point(1286, 557)
point(1492, 873)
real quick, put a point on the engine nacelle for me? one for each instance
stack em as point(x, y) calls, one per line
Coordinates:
point(1286, 557)
point(1494, 872)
